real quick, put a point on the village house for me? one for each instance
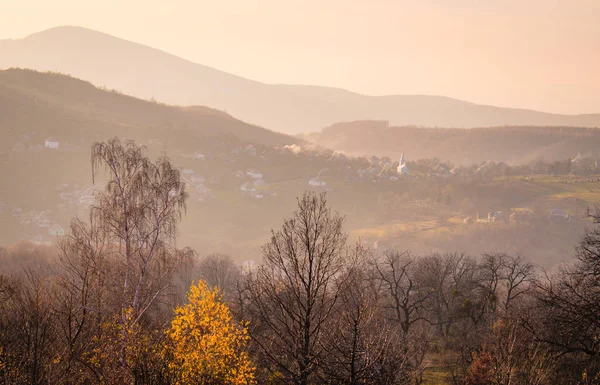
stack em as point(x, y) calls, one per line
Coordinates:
point(247, 188)
point(317, 182)
point(56, 230)
point(195, 155)
point(496, 216)
point(51, 143)
point(254, 174)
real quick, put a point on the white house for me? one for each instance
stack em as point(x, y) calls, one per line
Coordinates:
point(56, 230)
point(50, 143)
point(317, 182)
point(402, 167)
point(195, 155)
point(247, 187)
point(254, 174)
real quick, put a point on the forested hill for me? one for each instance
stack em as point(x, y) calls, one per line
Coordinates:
point(47, 104)
point(513, 145)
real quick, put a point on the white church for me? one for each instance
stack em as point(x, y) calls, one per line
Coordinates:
point(402, 167)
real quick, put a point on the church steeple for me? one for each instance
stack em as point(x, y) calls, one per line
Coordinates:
point(402, 168)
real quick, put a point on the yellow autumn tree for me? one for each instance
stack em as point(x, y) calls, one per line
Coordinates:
point(206, 345)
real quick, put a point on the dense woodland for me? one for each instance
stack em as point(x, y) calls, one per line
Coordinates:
point(117, 300)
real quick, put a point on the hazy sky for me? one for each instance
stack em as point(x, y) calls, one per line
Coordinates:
point(540, 54)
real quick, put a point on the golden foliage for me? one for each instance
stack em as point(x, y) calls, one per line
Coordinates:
point(206, 346)
point(125, 352)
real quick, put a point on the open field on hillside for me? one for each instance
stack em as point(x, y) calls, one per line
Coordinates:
point(531, 230)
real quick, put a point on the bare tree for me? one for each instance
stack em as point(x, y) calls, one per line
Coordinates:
point(221, 271)
point(361, 347)
point(450, 279)
point(404, 297)
point(519, 278)
point(511, 356)
point(292, 296)
point(504, 279)
point(82, 303)
point(455, 306)
point(565, 315)
point(571, 300)
point(139, 211)
point(28, 332)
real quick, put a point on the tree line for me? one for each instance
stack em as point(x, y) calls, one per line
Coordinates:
point(122, 303)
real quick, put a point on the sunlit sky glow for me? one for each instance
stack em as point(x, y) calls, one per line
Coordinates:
point(539, 54)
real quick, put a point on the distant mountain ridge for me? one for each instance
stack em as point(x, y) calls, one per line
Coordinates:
point(150, 73)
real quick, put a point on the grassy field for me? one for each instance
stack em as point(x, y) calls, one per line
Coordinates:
point(558, 188)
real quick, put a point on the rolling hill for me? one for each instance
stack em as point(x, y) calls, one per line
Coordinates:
point(147, 73)
point(509, 144)
point(59, 105)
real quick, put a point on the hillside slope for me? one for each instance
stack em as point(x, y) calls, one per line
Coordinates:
point(513, 145)
point(149, 73)
point(54, 105)
point(243, 180)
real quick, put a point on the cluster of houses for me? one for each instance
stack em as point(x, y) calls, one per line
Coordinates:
point(247, 150)
point(196, 155)
point(556, 215)
point(29, 144)
point(39, 219)
point(256, 187)
point(196, 183)
point(379, 169)
point(317, 182)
